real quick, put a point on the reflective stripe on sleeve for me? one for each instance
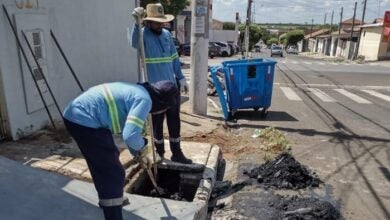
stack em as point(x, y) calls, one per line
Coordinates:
point(135, 121)
point(162, 59)
point(113, 110)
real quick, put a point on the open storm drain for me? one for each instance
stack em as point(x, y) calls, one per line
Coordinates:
point(176, 185)
point(284, 172)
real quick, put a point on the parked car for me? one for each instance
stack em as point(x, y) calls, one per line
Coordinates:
point(214, 50)
point(276, 50)
point(232, 49)
point(186, 49)
point(257, 48)
point(292, 49)
point(225, 49)
point(177, 45)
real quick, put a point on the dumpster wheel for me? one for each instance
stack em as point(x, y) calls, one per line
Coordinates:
point(264, 113)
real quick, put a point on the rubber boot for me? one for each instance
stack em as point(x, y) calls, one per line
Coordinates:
point(160, 150)
point(178, 156)
point(112, 213)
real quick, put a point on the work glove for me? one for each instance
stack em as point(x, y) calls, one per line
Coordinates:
point(183, 86)
point(138, 14)
point(142, 156)
point(143, 159)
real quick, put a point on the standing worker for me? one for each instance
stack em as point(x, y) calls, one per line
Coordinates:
point(162, 63)
point(115, 108)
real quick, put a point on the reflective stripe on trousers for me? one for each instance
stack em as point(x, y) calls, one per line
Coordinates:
point(113, 202)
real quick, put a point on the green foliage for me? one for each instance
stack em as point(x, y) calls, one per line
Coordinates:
point(293, 37)
point(273, 40)
point(174, 7)
point(229, 26)
point(275, 140)
point(255, 34)
point(283, 39)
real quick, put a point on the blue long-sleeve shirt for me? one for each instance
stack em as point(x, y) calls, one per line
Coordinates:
point(120, 107)
point(162, 59)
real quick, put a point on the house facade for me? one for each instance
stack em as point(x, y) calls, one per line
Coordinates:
point(375, 40)
point(93, 35)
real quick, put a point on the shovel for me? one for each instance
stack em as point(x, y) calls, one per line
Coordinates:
point(160, 191)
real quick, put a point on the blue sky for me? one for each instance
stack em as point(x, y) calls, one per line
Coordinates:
point(298, 11)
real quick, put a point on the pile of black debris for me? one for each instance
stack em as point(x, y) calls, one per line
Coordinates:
point(304, 208)
point(284, 172)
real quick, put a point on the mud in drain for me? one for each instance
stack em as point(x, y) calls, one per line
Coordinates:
point(284, 172)
point(180, 186)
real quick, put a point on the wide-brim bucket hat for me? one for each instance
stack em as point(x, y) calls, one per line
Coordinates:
point(155, 12)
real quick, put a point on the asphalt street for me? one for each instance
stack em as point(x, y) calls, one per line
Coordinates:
point(337, 116)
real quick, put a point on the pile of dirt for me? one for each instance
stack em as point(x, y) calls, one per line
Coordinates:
point(304, 208)
point(284, 172)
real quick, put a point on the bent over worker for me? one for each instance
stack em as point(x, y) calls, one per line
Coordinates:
point(115, 108)
point(162, 62)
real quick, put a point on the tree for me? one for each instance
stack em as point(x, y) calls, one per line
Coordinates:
point(255, 34)
point(273, 41)
point(174, 7)
point(293, 37)
point(283, 38)
point(229, 26)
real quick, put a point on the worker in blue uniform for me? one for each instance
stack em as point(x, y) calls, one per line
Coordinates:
point(162, 63)
point(115, 108)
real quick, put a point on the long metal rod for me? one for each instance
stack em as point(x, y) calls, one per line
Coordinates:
point(145, 79)
point(41, 71)
point(66, 60)
point(28, 65)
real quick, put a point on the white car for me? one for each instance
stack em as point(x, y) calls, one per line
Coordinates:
point(292, 49)
point(276, 50)
point(225, 49)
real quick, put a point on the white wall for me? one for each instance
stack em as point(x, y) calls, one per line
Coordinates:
point(93, 35)
point(370, 40)
point(224, 36)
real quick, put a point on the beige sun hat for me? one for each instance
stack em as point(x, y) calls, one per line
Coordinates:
point(155, 12)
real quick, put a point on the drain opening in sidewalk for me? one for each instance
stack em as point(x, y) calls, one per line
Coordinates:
point(284, 172)
point(180, 186)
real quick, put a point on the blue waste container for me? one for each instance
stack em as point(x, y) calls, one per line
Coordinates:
point(248, 84)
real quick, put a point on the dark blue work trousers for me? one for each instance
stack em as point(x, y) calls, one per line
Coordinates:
point(102, 156)
point(173, 123)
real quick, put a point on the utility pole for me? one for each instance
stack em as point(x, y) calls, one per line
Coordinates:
point(325, 19)
point(311, 28)
point(360, 32)
point(236, 29)
point(341, 19)
point(364, 11)
point(353, 19)
point(254, 13)
point(199, 56)
point(248, 22)
point(331, 22)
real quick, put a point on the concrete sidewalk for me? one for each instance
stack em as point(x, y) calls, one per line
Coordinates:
point(30, 193)
point(385, 63)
